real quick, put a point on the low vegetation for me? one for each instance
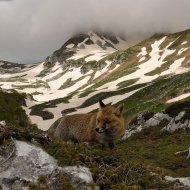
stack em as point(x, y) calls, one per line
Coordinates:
point(11, 110)
point(129, 166)
point(133, 161)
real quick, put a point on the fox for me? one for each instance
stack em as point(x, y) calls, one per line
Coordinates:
point(102, 127)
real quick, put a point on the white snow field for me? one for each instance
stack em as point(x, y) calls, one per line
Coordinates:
point(156, 60)
point(93, 52)
point(142, 54)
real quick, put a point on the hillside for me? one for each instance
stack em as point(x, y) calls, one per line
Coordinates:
point(150, 78)
point(146, 160)
point(99, 71)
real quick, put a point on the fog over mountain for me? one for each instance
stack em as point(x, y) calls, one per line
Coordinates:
point(32, 29)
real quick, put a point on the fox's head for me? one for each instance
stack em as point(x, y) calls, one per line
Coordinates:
point(110, 120)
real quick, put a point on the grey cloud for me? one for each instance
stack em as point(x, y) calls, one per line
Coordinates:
point(32, 29)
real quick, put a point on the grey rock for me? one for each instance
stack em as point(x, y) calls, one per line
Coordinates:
point(27, 162)
point(177, 123)
point(185, 181)
point(131, 131)
point(180, 116)
point(81, 177)
point(156, 119)
point(143, 123)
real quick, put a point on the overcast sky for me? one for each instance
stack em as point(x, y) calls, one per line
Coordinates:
point(30, 30)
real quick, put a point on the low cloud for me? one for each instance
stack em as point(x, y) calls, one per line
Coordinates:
point(32, 29)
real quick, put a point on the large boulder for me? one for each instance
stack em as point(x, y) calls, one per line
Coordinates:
point(24, 162)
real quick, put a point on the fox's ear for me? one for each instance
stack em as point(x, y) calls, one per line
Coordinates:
point(119, 110)
point(101, 104)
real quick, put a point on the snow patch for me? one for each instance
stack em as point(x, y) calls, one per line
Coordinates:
point(176, 68)
point(70, 46)
point(61, 93)
point(43, 124)
point(143, 52)
point(181, 97)
point(142, 59)
point(155, 61)
point(184, 43)
point(94, 52)
point(182, 50)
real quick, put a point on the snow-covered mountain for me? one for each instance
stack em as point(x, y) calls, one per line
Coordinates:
point(93, 66)
point(90, 47)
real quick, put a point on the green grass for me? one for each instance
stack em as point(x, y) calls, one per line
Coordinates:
point(183, 36)
point(11, 110)
point(69, 82)
point(127, 83)
point(154, 96)
point(157, 149)
point(132, 160)
point(129, 165)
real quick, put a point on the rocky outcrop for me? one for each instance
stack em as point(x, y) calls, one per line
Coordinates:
point(177, 123)
point(145, 119)
point(23, 162)
point(157, 119)
point(184, 181)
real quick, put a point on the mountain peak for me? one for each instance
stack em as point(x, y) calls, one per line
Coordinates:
point(85, 45)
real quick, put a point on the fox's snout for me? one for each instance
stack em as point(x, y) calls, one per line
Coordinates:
point(99, 130)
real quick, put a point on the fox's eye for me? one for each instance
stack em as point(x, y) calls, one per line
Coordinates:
point(98, 120)
point(107, 121)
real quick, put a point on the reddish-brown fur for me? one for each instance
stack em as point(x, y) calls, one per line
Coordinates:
point(104, 126)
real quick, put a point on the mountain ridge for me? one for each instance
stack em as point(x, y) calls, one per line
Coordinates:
point(96, 42)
